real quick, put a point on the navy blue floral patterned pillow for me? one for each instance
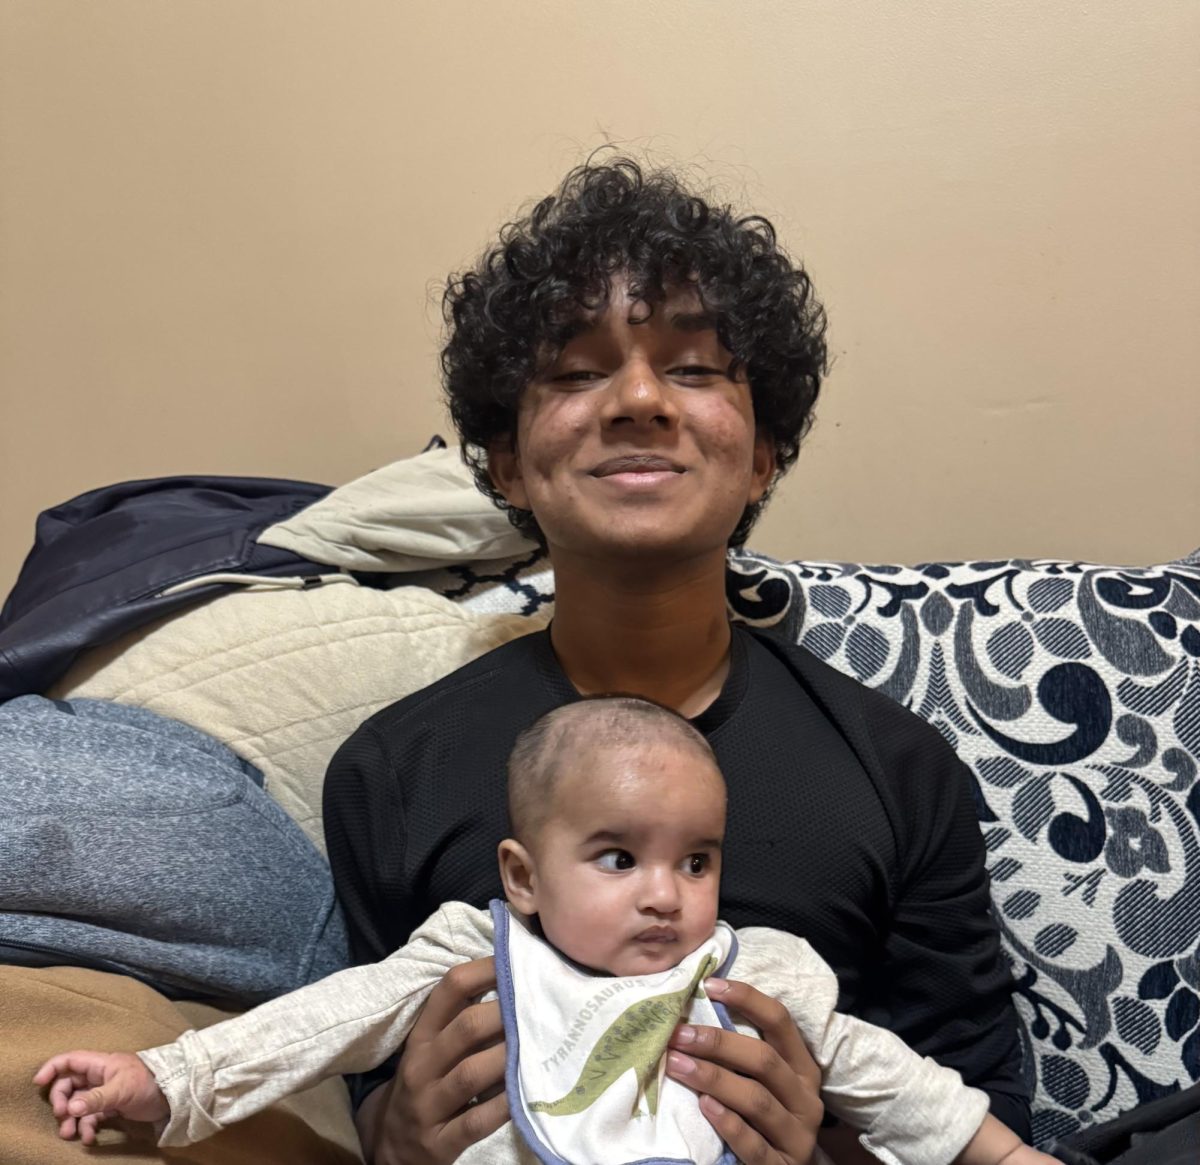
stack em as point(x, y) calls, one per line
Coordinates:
point(1073, 693)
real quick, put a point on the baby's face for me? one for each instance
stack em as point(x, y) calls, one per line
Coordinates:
point(629, 863)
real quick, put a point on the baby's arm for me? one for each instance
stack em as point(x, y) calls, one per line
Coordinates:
point(909, 1109)
point(348, 1022)
point(87, 1087)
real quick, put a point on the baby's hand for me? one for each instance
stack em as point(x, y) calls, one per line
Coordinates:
point(1027, 1155)
point(996, 1144)
point(87, 1087)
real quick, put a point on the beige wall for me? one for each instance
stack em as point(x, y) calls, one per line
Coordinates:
point(222, 227)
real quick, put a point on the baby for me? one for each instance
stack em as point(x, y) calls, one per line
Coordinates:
point(609, 932)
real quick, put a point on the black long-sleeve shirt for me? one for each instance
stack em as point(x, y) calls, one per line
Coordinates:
point(851, 822)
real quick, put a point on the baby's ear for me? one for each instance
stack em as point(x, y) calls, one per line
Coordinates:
point(519, 875)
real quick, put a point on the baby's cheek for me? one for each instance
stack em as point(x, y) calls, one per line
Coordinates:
point(714, 906)
point(707, 909)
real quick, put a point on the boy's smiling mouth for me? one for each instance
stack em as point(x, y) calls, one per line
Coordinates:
point(636, 463)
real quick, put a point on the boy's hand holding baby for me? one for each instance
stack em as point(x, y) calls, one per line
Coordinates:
point(88, 1087)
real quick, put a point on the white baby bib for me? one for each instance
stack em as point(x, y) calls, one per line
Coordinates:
point(586, 1053)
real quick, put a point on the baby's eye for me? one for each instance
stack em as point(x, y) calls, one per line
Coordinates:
point(615, 859)
point(697, 863)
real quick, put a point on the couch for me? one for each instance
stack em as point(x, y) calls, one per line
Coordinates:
point(1072, 691)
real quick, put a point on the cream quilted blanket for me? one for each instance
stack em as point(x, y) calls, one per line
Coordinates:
point(283, 676)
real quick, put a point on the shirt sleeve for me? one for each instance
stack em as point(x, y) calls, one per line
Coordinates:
point(908, 1109)
point(941, 983)
point(347, 1022)
point(945, 984)
point(365, 833)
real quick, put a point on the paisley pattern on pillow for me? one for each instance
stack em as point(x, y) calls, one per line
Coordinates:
point(1073, 693)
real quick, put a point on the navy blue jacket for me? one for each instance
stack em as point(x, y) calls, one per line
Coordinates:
point(101, 560)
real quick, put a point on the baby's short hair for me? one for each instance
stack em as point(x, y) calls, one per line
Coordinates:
point(545, 749)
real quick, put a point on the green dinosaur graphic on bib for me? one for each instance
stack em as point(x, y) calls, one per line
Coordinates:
point(636, 1040)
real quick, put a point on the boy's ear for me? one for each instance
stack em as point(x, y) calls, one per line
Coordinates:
point(519, 875)
point(504, 467)
point(762, 466)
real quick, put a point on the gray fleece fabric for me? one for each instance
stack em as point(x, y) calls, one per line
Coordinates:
point(136, 844)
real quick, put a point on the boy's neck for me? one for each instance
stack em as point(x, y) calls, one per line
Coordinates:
point(655, 631)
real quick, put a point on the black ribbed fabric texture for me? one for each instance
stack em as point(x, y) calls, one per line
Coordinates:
point(851, 823)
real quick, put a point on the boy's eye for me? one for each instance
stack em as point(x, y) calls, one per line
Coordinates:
point(696, 372)
point(615, 859)
point(697, 863)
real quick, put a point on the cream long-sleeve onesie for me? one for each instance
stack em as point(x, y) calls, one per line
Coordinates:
point(910, 1110)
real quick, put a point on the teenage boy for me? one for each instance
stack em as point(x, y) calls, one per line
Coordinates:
point(630, 369)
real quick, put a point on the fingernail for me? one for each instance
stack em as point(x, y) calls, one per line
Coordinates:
point(680, 1064)
point(716, 986)
point(685, 1034)
point(714, 1106)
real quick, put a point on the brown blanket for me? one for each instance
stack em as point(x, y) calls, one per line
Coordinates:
point(60, 1008)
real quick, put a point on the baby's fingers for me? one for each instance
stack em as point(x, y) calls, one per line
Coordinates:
point(88, 1126)
point(46, 1072)
point(61, 1091)
point(69, 1063)
point(96, 1100)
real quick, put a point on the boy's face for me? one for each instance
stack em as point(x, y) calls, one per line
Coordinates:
point(636, 439)
point(627, 867)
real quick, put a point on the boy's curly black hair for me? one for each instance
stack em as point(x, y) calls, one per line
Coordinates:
point(519, 302)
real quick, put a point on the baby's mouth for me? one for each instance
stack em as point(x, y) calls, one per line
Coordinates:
point(656, 934)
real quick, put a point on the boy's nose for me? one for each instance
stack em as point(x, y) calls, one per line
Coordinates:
point(637, 394)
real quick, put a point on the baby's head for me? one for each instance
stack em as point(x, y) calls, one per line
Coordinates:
point(617, 810)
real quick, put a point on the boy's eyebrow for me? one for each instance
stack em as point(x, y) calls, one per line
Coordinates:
point(681, 321)
point(693, 321)
point(577, 327)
